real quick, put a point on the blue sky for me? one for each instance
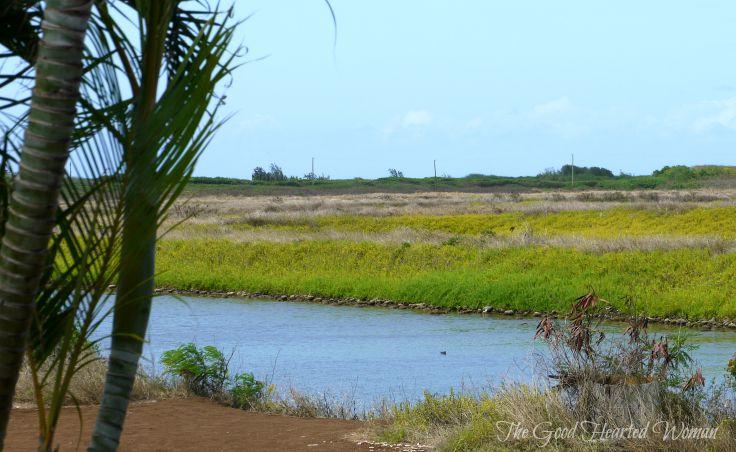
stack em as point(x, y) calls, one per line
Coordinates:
point(494, 87)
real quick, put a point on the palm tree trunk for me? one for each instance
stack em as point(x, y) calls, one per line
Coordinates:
point(32, 210)
point(130, 320)
point(138, 249)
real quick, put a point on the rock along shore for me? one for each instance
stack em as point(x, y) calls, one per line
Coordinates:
point(610, 314)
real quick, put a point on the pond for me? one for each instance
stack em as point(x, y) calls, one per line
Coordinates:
point(367, 354)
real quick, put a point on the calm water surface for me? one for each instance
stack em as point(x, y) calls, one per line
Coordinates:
point(367, 353)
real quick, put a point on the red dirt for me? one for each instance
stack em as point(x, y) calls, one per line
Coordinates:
point(195, 425)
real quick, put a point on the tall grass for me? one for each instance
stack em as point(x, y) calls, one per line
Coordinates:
point(86, 386)
point(682, 282)
point(482, 422)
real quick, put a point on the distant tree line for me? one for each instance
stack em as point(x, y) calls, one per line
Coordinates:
point(273, 174)
point(276, 174)
point(580, 171)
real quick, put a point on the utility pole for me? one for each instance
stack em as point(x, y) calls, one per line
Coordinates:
point(314, 176)
point(434, 162)
point(572, 170)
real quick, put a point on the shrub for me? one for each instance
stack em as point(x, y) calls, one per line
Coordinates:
point(582, 353)
point(679, 172)
point(204, 370)
point(275, 173)
point(246, 390)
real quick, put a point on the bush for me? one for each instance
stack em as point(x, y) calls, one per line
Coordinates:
point(204, 370)
point(678, 172)
point(274, 174)
point(582, 353)
point(246, 390)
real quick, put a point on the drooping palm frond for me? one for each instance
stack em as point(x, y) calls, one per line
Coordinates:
point(19, 24)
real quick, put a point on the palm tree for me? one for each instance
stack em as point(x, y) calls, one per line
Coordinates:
point(167, 132)
point(34, 200)
point(194, 60)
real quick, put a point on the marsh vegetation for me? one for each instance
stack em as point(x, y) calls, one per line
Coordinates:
point(663, 253)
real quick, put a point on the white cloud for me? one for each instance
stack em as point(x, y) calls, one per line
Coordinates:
point(552, 108)
point(414, 118)
point(715, 115)
point(257, 121)
point(563, 118)
point(473, 124)
point(558, 116)
point(699, 118)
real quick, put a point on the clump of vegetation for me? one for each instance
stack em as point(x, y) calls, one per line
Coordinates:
point(392, 172)
point(675, 172)
point(246, 390)
point(273, 174)
point(86, 386)
point(582, 354)
point(205, 372)
point(582, 172)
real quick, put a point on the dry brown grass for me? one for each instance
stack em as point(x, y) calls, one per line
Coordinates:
point(216, 215)
point(521, 238)
point(216, 208)
point(223, 217)
point(87, 385)
point(530, 407)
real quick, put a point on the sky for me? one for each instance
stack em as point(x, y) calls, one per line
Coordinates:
point(480, 86)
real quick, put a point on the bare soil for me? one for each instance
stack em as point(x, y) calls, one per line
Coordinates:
point(195, 425)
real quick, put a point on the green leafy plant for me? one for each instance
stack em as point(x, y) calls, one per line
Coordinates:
point(204, 370)
point(247, 390)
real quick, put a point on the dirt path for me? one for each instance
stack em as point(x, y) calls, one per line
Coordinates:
point(196, 425)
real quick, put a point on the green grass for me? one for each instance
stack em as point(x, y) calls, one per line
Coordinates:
point(695, 283)
point(608, 223)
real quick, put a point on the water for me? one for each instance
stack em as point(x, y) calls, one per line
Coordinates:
point(367, 354)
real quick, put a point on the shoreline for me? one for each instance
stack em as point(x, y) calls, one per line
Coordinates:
point(611, 315)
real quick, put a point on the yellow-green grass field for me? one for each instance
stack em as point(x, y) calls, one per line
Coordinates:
point(609, 223)
point(662, 258)
point(683, 282)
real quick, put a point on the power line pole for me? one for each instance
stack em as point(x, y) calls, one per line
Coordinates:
point(314, 176)
point(572, 170)
point(434, 162)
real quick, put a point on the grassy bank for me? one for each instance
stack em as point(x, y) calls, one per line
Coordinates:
point(696, 283)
